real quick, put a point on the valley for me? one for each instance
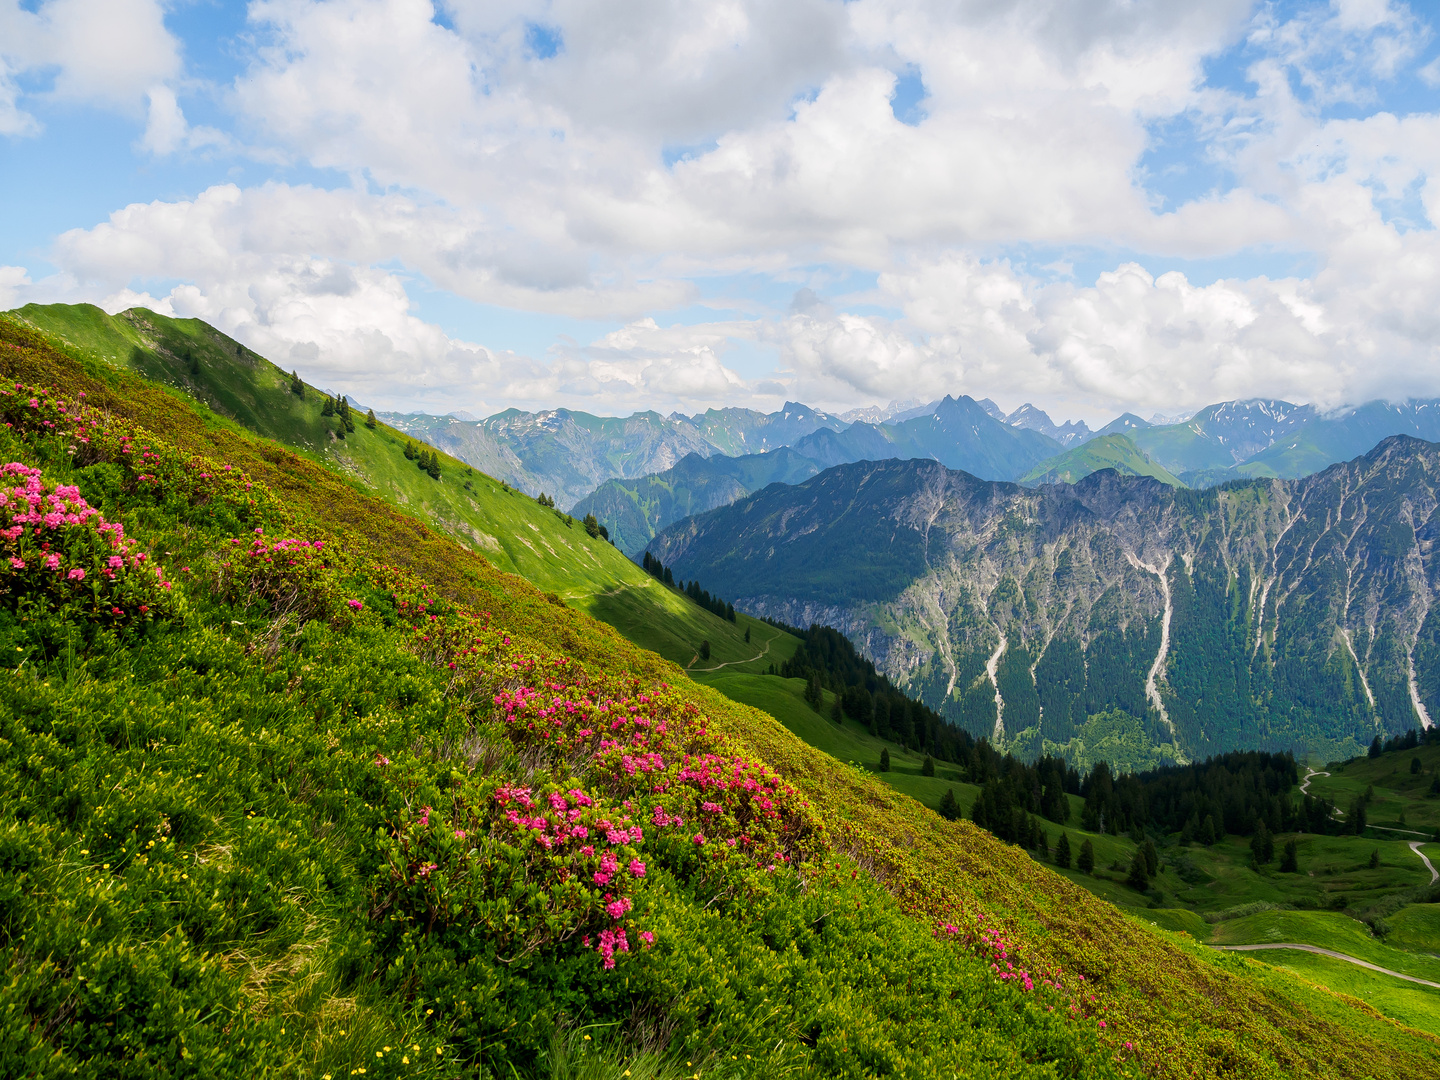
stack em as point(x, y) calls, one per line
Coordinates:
point(350, 478)
point(1262, 614)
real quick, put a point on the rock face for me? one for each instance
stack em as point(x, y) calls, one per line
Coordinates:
point(1266, 613)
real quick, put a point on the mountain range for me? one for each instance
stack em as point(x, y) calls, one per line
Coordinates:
point(1265, 613)
point(567, 454)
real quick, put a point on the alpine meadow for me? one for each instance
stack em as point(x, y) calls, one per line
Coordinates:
point(724, 540)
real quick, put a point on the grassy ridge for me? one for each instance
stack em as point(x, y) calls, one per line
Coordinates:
point(1188, 1011)
point(1116, 452)
point(184, 360)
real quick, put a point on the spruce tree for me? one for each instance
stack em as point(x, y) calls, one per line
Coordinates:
point(370, 421)
point(1375, 859)
point(1357, 817)
point(1262, 844)
point(297, 387)
point(409, 450)
point(1062, 852)
point(1086, 862)
point(885, 759)
point(1375, 747)
point(747, 635)
point(328, 409)
point(949, 808)
point(927, 767)
point(705, 650)
point(1152, 858)
point(1207, 831)
point(1139, 879)
point(836, 713)
point(1290, 860)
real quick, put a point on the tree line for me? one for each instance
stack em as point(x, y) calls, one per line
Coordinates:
point(713, 604)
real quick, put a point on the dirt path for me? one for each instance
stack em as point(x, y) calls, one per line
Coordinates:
point(1309, 775)
point(1332, 953)
point(690, 666)
point(1414, 844)
point(1434, 874)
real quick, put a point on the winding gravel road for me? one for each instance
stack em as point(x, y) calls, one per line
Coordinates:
point(1414, 844)
point(1328, 952)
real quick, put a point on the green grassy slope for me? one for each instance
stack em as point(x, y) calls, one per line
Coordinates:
point(291, 784)
point(1181, 448)
point(509, 529)
point(1407, 1003)
point(1117, 452)
point(1328, 930)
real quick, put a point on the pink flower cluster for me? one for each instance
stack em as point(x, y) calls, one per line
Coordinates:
point(56, 532)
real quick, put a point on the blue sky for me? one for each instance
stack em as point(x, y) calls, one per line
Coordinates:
point(1096, 206)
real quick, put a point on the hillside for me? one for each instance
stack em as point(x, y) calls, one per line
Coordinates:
point(276, 808)
point(242, 390)
point(1116, 452)
point(1264, 614)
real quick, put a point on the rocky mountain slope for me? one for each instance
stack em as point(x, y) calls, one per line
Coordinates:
point(1269, 613)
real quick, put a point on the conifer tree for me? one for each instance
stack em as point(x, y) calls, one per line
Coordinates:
point(328, 409)
point(949, 808)
point(1207, 831)
point(1086, 862)
point(705, 650)
point(747, 635)
point(592, 525)
point(1375, 859)
point(1152, 857)
point(409, 450)
point(1262, 844)
point(297, 387)
point(1290, 860)
point(927, 767)
point(885, 759)
point(836, 713)
point(370, 421)
point(1376, 747)
point(1138, 880)
point(1042, 844)
point(1062, 852)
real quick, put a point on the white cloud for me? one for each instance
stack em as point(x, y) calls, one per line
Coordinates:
point(105, 52)
point(541, 183)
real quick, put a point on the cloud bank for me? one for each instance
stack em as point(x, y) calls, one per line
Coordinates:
point(618, 162)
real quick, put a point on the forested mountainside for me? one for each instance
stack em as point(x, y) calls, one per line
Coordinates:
point(634, 510)
point(568, 454)
point(1261, 614)
point(297, 786)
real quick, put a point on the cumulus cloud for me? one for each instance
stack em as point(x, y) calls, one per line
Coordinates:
point(106, 52)
point(597, 161)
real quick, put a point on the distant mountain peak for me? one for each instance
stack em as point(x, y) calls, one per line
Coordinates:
point(1031, 418)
